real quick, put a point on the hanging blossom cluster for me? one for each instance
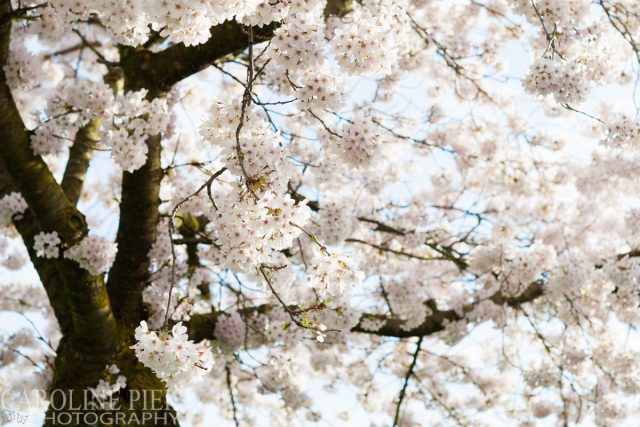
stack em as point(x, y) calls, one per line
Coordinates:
point(299, 43)
point(622, 133)
point(332, 274)
point(574, 53)
point(261, 155)
point(93, 253)
point(359, 141)
point(22, 69)
point(12, 206)
point(366, 45)
point(46, 245)
point(565, 80)
point(172, 357)
point(248, 230)
point(134, 120)
point(320, 90)
point(230, 331)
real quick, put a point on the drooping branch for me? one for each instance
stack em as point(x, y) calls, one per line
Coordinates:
point(234, 407)
point(171, 229)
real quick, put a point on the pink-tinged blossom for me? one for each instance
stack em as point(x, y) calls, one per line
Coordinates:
point(172, 357)
point(46, 245)
point(93, 253)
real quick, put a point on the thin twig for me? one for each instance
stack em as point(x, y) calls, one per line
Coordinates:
point(172, 229)
point(246, 102)
point(294, 314)
point(91, 47)
point(406, 381)
point(233, 399)
point(337, 135)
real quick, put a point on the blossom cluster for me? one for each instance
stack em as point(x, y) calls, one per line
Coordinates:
point(247, 230)
point(184, 21)
point(320, 90)
point(332, 226)
point(22, 68)
point(125, 120)
point(106, 389)
point(622, 133)
point(93, 253)
point(46, 244)
point(367, 45)
point(12, 206)
point(172, 357)
point(298, 47)
point(359, 141)
point(261, 155)
point(565, 80)
point(333, 274)
point(135, 119)
point(230, 331)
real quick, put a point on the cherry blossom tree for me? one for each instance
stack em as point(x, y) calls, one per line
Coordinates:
point(247, 207)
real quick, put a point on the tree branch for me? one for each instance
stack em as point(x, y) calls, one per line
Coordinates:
point(92, 320)
point(46, 269)
point(337, 8)
point(161, 70)
point(136, 233)
point(201, 326)
point(30, 174)
point(79, 159)
point(438, 319)
point(405, 384)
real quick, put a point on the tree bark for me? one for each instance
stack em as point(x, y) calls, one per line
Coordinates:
point(79, 159)
point(136, 233)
